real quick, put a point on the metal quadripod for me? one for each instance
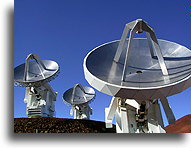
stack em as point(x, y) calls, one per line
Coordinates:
point(139, 68)
point(35, 72)
point(79, 95)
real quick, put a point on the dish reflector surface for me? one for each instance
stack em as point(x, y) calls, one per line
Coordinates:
point(36, 74)
point(143, 72)
point(80, 96)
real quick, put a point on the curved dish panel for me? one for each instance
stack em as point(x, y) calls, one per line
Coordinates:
point(80, 97)
point(36, 75)
point(144, 78)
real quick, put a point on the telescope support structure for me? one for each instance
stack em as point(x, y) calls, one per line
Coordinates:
point(138, 26)
point(40, 101)
point(81, 111)
point(137, 116)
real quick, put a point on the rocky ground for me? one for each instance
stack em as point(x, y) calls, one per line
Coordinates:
point(182, 125)
point(59, 125)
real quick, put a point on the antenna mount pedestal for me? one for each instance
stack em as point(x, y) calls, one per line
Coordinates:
point(134, 117)
point(81, 111)
point(40, 101)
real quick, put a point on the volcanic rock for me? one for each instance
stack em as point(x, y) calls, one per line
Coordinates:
point(182, 125)
point(59, 125)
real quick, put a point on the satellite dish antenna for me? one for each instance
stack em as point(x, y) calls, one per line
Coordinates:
point(35, 75)
point(79, 98)
point(142, 69)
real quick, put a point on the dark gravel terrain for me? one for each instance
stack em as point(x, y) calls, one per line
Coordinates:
point(59, 125)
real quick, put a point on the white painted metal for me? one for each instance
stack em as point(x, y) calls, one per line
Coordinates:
point(40, 101)
point(110, 112)
point(168, 111)
point(155, 121)
point(34, 75)
point(126, 111)
point(122, 120)
point(143, 69)
point(79, 98)
point(139, 26)
point(81, 111)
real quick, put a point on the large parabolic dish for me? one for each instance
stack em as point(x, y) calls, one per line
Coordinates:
point(142, 78)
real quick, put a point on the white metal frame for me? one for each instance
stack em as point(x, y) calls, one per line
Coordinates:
point(81, 111)
point(40, 101)
point(139, 26)
point(125, 111)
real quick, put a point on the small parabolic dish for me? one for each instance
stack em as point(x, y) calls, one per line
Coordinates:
point(35, 73)
point(79, 95)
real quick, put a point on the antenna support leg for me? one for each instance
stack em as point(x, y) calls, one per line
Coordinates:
point(168, 111)
point(134, 117)
point(138, 26)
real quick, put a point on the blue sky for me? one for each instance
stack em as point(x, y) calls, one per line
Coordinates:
point(66, 30)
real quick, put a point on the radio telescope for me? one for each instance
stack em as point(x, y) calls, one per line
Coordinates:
point(79, 98)
point(137, 72)
point(35, 75)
